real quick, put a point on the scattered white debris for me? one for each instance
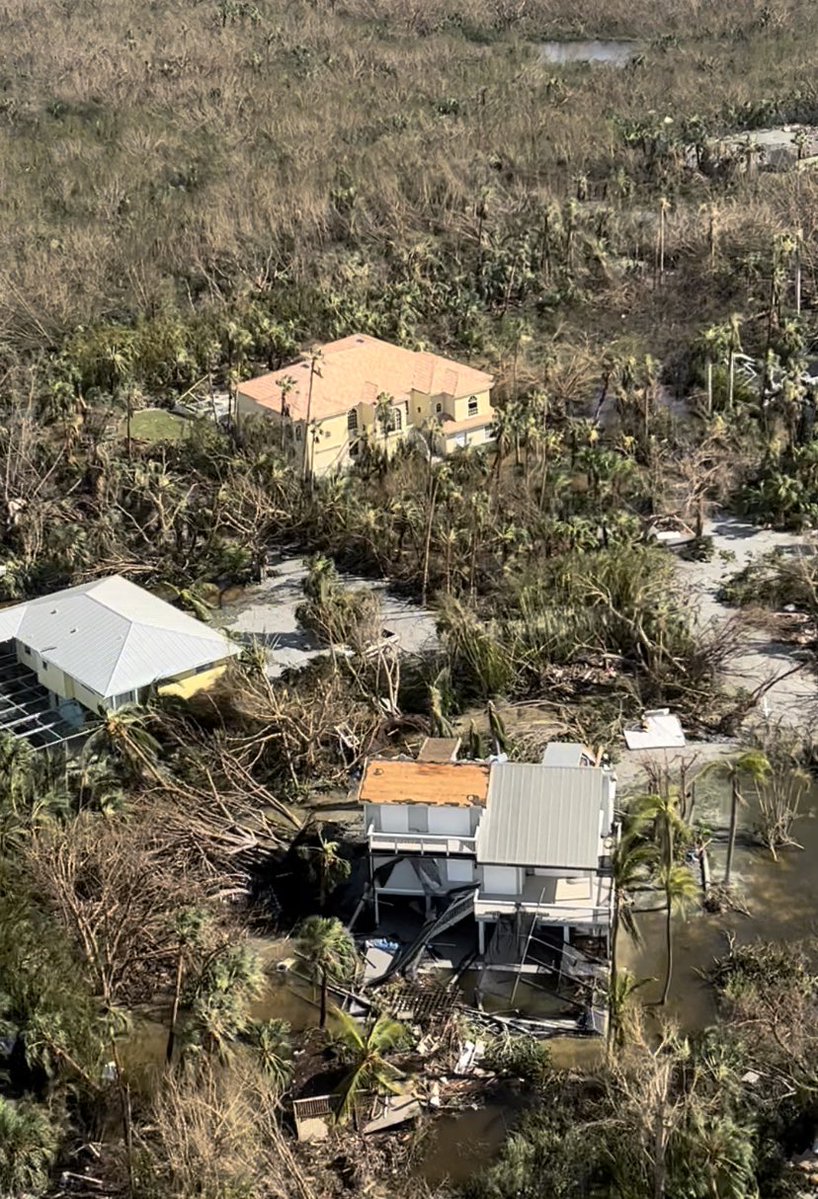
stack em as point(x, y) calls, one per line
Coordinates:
point(660, 730)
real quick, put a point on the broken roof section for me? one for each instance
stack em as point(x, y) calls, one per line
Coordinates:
point(439, 749)
point(401, 781)
point(660, 730)
point(538, 816)
point(566, 753)
point(113, 637)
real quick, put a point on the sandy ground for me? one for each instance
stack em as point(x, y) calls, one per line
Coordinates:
point(266, 614)
point(792, 700)
point(790, 703)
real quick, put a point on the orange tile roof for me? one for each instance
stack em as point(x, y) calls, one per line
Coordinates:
point(460, 784)
point(357, 369)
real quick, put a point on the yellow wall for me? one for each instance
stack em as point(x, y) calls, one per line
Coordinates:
point(461, 406)
point(188, 684)
point(329, 450)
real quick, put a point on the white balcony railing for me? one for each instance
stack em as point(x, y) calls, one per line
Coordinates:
point(558, 900)
point(555, 913)
point(433, 844)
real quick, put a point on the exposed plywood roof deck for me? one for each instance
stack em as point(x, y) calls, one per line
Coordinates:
point(399, 781)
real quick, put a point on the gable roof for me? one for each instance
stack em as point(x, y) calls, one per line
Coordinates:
point(542, 816)
point(358, 369)
point(112, 636)
point(398, 781)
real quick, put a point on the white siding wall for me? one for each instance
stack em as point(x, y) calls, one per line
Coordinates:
point(548, 873)
point(439, 820)
point(501, 880)
point(459, 870)
point(394, 818)
point(451, 821)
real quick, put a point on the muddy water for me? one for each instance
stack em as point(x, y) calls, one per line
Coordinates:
point(288, 998)
point(782, 897)
point(605, 53)
point(461, 1144)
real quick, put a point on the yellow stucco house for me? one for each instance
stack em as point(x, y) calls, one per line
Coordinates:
point(360, 387)
point(95, 648)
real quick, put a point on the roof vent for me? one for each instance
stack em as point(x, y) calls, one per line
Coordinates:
point(360, 340)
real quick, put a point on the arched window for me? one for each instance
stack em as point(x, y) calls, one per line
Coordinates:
point(396, 420)
point(473, 405)
point(352, 420)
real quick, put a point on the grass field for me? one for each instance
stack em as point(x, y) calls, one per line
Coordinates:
point(157, 424)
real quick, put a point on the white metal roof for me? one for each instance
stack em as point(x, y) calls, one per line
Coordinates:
point(112, 636)
point(542, 816)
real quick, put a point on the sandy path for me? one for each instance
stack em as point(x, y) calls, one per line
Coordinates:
point(266, 613)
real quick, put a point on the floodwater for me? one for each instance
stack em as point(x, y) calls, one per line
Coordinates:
point(615, 53)
point(781, 896)
point(288, 998)
point(461, 1144)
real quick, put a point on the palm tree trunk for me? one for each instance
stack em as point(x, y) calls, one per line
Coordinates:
point(427, 547)
point(174, 1011)
point(613, 1015)
point(322, 1018)
point(668, 918)
point(731, 839)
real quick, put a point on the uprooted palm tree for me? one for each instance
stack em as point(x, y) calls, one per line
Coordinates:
point(752, 766)
point(366, 1047)
point(328, 952)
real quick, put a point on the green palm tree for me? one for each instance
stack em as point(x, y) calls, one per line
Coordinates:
point(328, 953)
point(663, 810)
point(327, 868)
point(681, 892)
point(28, 1146)
point(32, 793)
point(188, 925)
point(720, 1157)
point(366, 1048)
point(271, 1039)
point(220, 1011)
point(632, 862)
point(124, 733)
point(753, 766)
point(383, 415)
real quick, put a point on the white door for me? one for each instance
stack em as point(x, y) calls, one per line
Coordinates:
point(500, 880)
point(394, 818)
point(454, 822)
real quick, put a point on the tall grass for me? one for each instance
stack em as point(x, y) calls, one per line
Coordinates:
point(184, 153)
